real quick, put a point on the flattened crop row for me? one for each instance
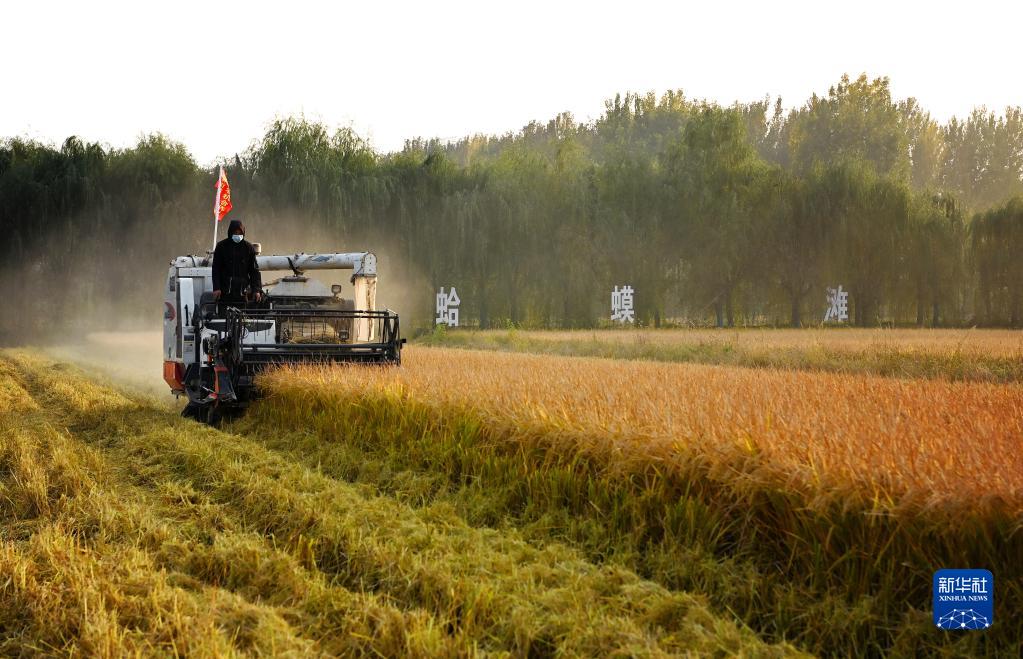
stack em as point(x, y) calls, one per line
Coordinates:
point(430, 583)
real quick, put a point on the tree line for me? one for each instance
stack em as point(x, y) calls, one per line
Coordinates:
point(724, 215)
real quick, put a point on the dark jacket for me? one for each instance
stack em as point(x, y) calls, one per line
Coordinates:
point(234, 266)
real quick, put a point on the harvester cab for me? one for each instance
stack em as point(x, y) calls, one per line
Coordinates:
point(213, 351)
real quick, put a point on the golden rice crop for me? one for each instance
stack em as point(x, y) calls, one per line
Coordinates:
point(932, 442)
point(126, 530)
point(815, 506)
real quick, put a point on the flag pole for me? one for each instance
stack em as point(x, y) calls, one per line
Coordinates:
point(216, 207)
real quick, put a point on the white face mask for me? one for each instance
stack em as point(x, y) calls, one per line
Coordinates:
point(237, 237)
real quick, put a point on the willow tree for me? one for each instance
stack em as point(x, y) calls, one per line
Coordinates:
point(996, 245)
point(794, 235)
point(935, 256)
point(299, 165)
point(870, 215)
point(711, 177)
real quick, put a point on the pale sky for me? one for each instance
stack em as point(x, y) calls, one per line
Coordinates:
point(213, 74)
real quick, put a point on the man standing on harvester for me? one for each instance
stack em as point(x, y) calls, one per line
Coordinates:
point(236, 277)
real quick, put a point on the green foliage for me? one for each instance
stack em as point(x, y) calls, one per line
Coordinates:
point(713, 172)
point(936, 260)
point(982, 159)
point(997, 241)
point(299, 165)
point(735, 216)
point(857, 121)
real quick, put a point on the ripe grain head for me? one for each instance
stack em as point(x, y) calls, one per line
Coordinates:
point(930, 442)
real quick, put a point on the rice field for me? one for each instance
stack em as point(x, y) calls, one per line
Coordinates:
point(815, 506)
point(477, 502)
point(905, 442)
point(129, 531)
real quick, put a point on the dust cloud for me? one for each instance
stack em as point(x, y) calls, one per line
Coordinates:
point(100, 306)
point(128, 359)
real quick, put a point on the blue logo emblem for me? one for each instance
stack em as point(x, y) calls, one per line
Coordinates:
point(963, 599)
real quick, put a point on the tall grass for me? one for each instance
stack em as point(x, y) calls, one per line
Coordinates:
point(835, 497)
point(128, 530)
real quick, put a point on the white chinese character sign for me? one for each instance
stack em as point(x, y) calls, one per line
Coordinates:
point(838, 305)
point(621, 305)
point(447, 307)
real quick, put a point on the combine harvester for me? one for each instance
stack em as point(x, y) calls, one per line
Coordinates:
point(212, 351)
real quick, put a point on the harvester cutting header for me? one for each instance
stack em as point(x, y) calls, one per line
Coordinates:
point(214, 346)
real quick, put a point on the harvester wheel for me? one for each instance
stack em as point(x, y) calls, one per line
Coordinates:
point(194, 411)
point(214, 415)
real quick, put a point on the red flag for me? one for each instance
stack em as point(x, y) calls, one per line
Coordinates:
point(222, 202)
